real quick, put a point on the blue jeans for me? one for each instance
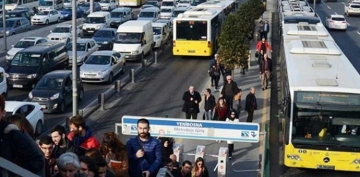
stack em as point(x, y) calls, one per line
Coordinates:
point(208, 115)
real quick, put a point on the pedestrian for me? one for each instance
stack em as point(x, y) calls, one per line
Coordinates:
point(166, 147)
point(170, 166)
point(263, 45)
point(199, 169)
point(47, 146)
point(176, 164)
point(230, 89)
point(250, 105)
point(233, 117)
point(265, 71)
point(62, 144)
point(88, 167)
point(209, 105)
point(260, 57)
point(69, 165)
point(104, 168)
point(17, 145)
point(266, 29)
point(191, 99)
point(22, 123)
point(144, 151)
point(186, 169)
point(227, 71)
point(213, 62)
point(221, 110)
point(237, 101)
point(215, 75)
point(81, 136)
point(260, 30)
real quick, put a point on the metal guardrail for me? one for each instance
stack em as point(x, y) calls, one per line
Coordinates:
point(7, 166)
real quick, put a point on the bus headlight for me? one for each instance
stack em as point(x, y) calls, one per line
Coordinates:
point(356, 161)
point(293, 157)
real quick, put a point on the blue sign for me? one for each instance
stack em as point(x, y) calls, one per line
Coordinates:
point(194, 129)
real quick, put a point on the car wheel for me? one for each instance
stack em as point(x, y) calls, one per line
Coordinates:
point(46, 22)
point(58, 20)
point(110, 80)
point(81, 95)
point(62, 107)
point(38, 128)
point(123, 69)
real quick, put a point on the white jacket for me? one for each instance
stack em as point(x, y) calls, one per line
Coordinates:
point(228, 120)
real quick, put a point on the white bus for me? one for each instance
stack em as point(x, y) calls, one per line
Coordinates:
point(320, 89)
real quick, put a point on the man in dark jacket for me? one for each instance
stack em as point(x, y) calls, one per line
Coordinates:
point(209, 105)
point(14, 145)
point(230, 89)
point(144, 152)
point(191, 99)
point(62, 144)
point(265, 71)
point(250, 104)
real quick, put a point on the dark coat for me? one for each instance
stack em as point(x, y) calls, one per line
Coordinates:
point(209, 103)
point(14, 145)
point(188, 104)
point(166, 151)
point(262, 65)
point(233, 86)
point(250, 103)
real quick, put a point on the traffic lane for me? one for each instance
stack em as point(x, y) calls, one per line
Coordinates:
point(338, 8)
point(39, 31)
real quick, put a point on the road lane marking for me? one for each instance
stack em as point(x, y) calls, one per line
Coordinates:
point(358, 32)
point(348, 24)
point(328, 7)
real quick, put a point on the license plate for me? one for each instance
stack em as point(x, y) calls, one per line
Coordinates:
point(43, 106)
point(89, 76)
point(127, 56)
point(326, 167)
point(191, 51)
point(17, 86)
point(90, 31)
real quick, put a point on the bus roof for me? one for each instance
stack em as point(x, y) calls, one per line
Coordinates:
point(216, 4)
point(199, 14)
point(304, 30)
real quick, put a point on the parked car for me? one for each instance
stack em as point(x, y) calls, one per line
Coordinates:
point(68, 3)
point(31, 111)
point(105, 38)
point(84, 48)
point(23, 44)
point(54, 91)
point(108, 5)
point(119, 16)
point(352, 9)
point(62, 33)
point(66, 13)
point(46, 17)
point(336, 22)
point(15, 26)
point(86, 7)
point(102, 66)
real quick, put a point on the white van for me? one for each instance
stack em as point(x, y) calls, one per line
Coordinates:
point(3, 83)
point(150, 13)
point(96, 21)
point(134, 39)
point(50, 4)
point(161, 34)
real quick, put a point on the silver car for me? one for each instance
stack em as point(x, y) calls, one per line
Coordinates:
point(84, 48)
point(15, 26)
point(102, 66)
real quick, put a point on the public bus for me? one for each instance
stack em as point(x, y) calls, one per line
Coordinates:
point(320, 90)
point(12, 4)
point(195, 32)
point(131, 3)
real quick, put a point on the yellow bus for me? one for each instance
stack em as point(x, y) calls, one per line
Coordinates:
point(320, 89)
point(131, 3)
point(195, 31)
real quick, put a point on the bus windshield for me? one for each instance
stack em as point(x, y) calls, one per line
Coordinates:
point(126, 38)
point(191, 30)
point(324, 118)
point(46, 3)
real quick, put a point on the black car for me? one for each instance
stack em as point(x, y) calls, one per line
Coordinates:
point(105, 38)
point(54, 91)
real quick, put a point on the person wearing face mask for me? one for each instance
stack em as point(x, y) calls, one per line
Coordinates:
point(232, 117)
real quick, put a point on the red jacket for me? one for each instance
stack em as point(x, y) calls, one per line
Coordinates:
point(258, 46)
point(89, 143)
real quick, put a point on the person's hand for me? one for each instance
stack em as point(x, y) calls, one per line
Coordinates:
point(191, 99)
point(196, 101)
point(166, 144)
point(147, 173)
point(140, 153)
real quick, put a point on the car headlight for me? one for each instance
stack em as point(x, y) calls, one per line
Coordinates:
point(66, 15)
point(98, 26)
point(54, 97)
point(30, 95)
point(31, 76)
point(7, 32)
point(135, 52)
point(7, 75)
point(84, 26)
point(79, 58)
point(103, 72)
point(105, 42)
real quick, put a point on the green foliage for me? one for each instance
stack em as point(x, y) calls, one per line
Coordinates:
point(233, 40)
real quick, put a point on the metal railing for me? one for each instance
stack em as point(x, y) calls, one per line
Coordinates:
point(7, 166)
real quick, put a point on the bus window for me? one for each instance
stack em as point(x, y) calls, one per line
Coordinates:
point(193, 30)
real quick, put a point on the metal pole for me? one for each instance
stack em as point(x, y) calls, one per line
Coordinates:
point(155, 56)
point(4, 25)
point(263, 158)
point(132, 75)
point(118, 86)
point(74, 61)
point(91, 6)
point(54, 4)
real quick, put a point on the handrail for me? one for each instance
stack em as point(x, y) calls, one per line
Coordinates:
point(7, 166)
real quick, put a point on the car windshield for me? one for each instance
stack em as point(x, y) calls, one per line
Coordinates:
point(156, 30)
point(147, 14)
point(177, 12)
point(86, 5)
point(165, 10)
point(42, 13)
point(9, 23)
point(105, 1)
point(79, 47)
point(46, 3)
point(129, 38)
point(167, 3)
point(117, 14)
point(184, 2)
point(61, 30)
point(338, 19)
point(67, 1)
point(50, 83)
point(24, 44)
point(103, 33)
point(98, 60)
point(95, 20)
point(26, 59)
point(68, 9)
